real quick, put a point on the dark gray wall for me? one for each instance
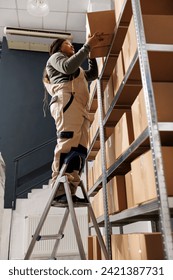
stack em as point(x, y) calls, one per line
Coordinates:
point(22, 124)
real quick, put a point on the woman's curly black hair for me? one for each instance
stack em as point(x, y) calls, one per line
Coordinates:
point(56, 45)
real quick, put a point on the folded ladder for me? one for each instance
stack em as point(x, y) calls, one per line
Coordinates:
point(70, 205)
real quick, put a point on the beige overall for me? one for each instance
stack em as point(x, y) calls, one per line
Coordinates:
point(75, 120)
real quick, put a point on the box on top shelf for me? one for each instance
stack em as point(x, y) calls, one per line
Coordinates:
point(157, 31)
point(161, 65)
point(156, 7)
point(102, 22)
point(143, 177)
point(163, 98)
point(123, 8)
point(148, 7)
point(118, 6)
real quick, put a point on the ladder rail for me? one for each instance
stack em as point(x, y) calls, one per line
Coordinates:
point(61, 230)
point(92, 215)
point(74, 221)
point(42, 220)
point(70, 209)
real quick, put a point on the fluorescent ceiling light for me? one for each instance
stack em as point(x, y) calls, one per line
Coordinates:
point(39, 8)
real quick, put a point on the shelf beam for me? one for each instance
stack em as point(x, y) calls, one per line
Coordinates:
point(159, 47)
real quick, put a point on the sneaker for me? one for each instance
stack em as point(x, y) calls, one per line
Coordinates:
point(75, 199)
point(61, 199)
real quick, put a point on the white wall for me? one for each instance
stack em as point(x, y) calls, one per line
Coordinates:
point(2, 186)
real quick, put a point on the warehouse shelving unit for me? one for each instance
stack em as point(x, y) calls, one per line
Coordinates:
point(160, 210)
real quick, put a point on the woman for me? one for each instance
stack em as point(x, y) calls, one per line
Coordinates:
point(67, 83)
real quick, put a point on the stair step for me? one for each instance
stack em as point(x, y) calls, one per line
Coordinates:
point(46, 187)
point(37, 192)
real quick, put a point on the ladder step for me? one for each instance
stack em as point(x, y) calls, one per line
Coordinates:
point(72, 202)
point(75, 204)
point(51, 236)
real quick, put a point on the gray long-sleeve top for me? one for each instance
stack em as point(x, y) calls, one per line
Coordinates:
point(61, 68)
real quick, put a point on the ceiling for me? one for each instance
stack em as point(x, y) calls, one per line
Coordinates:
point(64, 15)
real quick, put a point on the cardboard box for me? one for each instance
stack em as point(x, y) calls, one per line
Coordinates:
point(163, 99)
point(92, 87)
point(129, 190)
point(118, 73)
point(90, 248)
point(167, 154)
point(145, 246)
point(93, 128)
point(157, 31)
point(90, 178)
point(116, 195)
point(139, 116)
point(157, 7)
point(119, 246)
point(100, 63)
point(96, 249)
point(143, 178)
point(97, 204)
point(118, 4)
point(110, 150)
point(124, 135)
point(97, 166)
point(102, 22)
point(108, 95)
point(142, 246)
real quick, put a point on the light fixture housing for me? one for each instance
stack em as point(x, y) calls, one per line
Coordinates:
point(38, 8)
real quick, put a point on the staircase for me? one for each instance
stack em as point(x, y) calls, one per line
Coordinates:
point(31, 195)
point(25, 219)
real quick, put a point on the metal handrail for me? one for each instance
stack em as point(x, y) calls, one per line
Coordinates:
point(35, 149)
point(24, 155)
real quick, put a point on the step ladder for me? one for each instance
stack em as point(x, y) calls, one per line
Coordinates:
point(70, 205)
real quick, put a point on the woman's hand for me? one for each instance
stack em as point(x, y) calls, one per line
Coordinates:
point(93, 40)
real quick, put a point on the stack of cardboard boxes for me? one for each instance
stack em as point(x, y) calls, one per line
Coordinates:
point(139, 184)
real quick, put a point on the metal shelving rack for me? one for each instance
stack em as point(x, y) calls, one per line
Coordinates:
point(159, 210)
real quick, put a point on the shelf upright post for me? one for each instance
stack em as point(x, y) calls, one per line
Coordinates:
point(103, 163)
point(154, 135)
